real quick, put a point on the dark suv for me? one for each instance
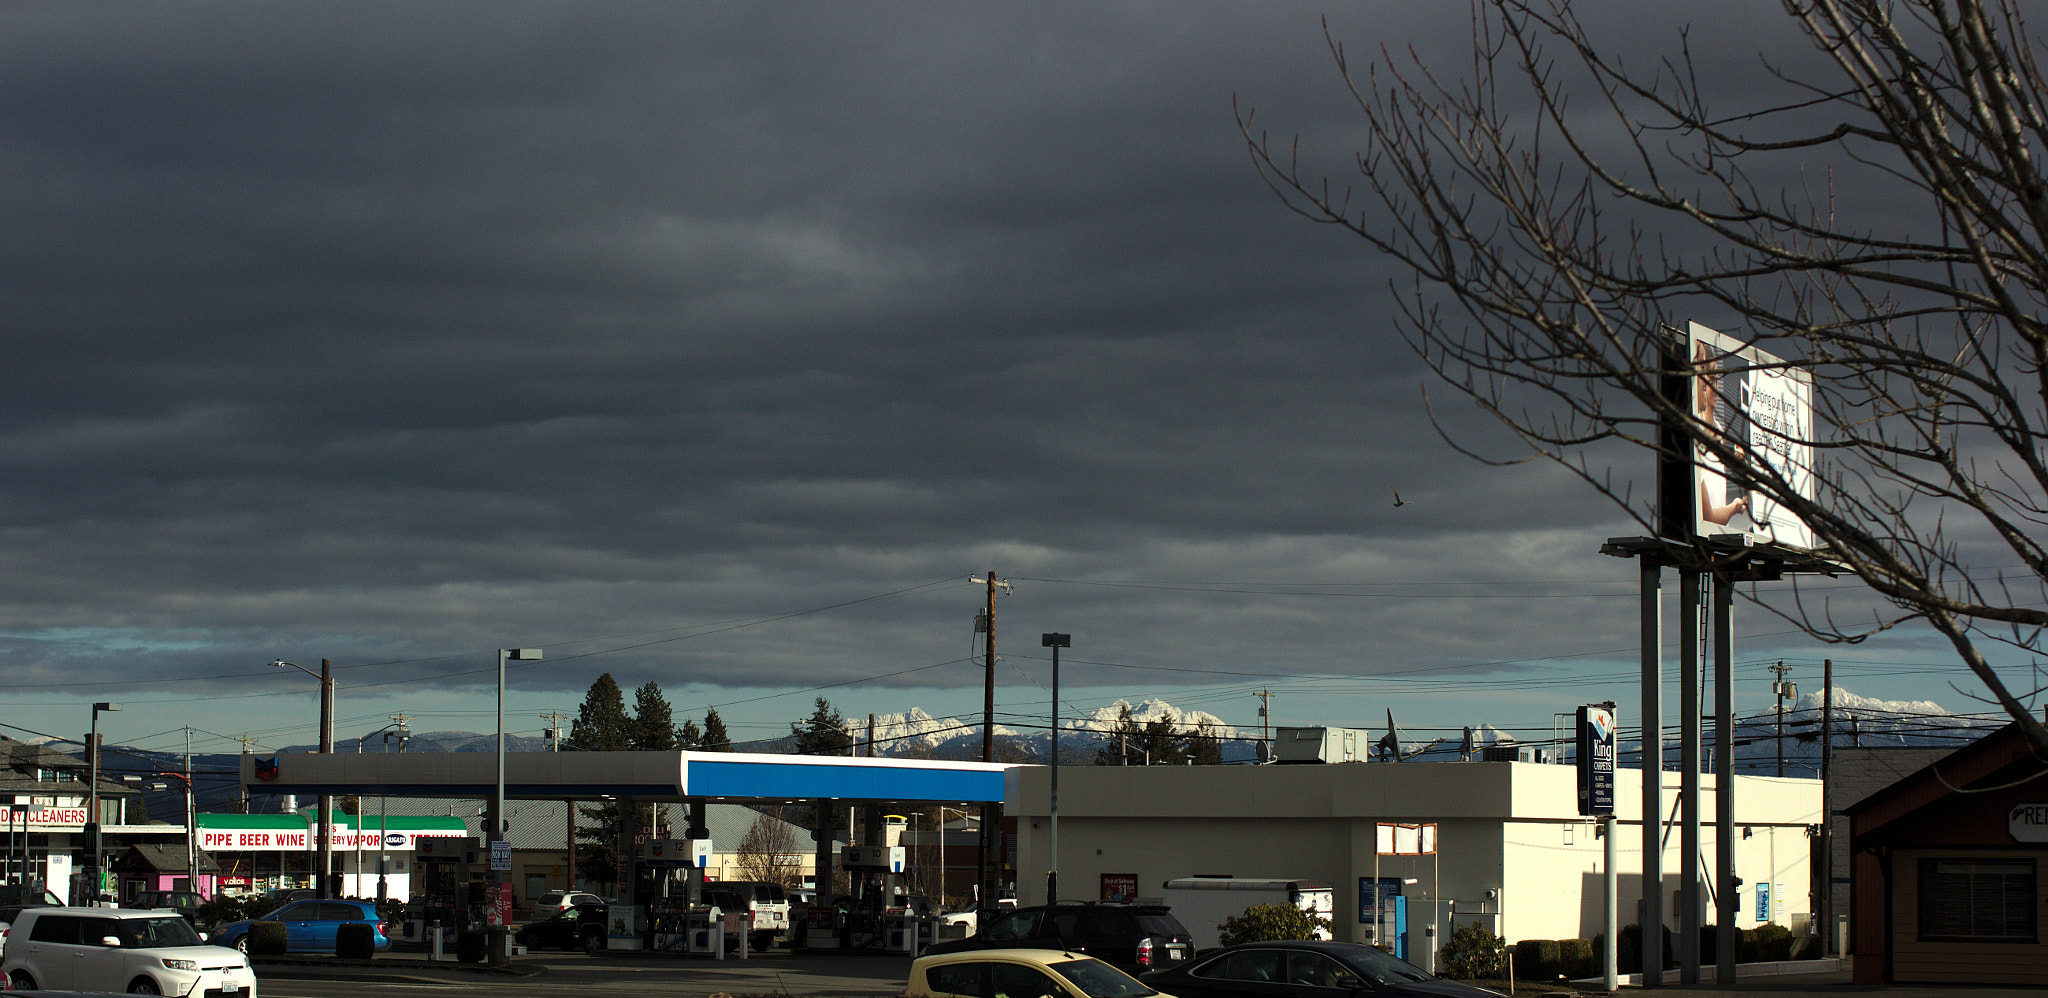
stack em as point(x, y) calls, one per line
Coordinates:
point(581, 925)
point(1134, 938)
point(185, 903)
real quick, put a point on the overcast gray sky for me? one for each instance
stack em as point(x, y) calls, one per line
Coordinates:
point(718, 344)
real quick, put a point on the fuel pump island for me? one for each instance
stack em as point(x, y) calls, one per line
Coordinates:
point(660, 885)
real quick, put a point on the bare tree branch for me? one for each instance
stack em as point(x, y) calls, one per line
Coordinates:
point(1549, 261)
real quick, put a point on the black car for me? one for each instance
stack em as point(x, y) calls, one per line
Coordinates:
point(185, 903)
point(1304, 969)
point(576, 927)
point(1133, 938)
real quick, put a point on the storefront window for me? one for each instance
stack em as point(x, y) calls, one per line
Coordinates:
point(1981, 901)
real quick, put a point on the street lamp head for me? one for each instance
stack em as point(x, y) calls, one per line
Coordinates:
point(103, 707)
point(522, 654)
point(280, 663)
point(1057, 641)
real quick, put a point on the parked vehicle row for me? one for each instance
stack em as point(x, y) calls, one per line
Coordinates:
point(309, 926)
point(119, 950)
point(1294, 969)
point(1133, 938)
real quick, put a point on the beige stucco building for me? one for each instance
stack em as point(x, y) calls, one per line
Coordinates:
point(1512, 851)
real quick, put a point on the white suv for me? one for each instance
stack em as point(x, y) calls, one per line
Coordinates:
point(115, 949)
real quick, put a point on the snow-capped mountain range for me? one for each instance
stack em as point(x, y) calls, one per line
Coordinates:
point(1857, 720)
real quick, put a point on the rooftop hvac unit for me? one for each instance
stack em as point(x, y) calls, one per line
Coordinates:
point(1294, 745)
point(1515, 753)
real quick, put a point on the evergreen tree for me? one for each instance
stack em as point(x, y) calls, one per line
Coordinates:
point(823, 733)
point(654, 723)
point(689, 736)
point(1125, 743)
point(601, 724)
point(1202, 746)
point(1163, 744)
point(715, 738)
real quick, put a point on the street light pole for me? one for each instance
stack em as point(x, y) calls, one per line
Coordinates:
point(325, 863)
point(93, 815)
point(500, 866)
point(1052, 876)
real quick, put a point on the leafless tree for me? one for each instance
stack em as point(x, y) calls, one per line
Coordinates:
point(768, 853)
point(1875, 220)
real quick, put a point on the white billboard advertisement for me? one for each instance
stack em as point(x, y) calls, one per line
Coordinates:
point(1757, 403)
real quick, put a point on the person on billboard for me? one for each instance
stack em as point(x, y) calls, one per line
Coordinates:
point(1712, 403)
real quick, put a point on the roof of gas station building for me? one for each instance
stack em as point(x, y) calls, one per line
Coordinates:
point(652, 776)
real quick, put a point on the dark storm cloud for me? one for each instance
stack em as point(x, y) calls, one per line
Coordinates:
point(392, 330)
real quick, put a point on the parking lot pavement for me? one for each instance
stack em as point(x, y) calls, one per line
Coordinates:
point(1834, 982)
point(777, 972)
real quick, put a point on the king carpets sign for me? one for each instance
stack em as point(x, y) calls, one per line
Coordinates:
point(1596, 759)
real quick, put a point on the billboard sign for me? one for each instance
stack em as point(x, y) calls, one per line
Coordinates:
point(1596, 759)
point(1763, 408)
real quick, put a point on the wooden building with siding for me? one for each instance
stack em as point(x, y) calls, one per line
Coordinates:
point(1947, 870)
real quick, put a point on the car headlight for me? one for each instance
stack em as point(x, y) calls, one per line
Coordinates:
point(181, 964)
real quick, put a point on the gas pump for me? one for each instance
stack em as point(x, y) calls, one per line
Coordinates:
point(877, 921)
point(1384, 910)
point(441, 865)
point(674, 924)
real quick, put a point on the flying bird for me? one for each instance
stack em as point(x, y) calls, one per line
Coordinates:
point(1398, 501)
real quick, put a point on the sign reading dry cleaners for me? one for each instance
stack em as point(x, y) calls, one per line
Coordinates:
point(1596, 759)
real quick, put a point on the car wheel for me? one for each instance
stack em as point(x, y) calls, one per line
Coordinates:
point(242, 944)
point(143, 986)
point(763, 940)
point(593, 942)
point(21, 981)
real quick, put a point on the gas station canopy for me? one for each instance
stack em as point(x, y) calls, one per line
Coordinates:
point(649, 776)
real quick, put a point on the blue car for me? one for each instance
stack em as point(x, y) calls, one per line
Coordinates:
point(309, 926)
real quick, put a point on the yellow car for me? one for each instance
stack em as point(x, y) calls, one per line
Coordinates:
point(1021, 973)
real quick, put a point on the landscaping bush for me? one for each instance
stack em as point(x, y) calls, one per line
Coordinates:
point(1577, 957)
point(1538, 960)
point(1629, 950)
point(471, 945)
point(1769, 943)
point(220, 910)
point(1265, 922)
point(266, 939)
point(355, 941)
point(1473, 954)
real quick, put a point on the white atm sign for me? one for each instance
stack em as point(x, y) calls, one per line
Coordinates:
point(2028, 822)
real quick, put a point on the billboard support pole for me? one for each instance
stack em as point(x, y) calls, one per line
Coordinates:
point(1652, 571)
point(1726, 902)
point(1689, 648)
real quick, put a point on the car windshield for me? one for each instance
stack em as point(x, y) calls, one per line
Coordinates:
point(1381, 967)
point(151, 933)
point(1100, 980)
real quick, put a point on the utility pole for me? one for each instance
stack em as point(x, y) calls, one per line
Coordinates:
point(1780, 690)
point(1826, 901)
point(242, 792)
point(987, 626)
point(191, 820)
point(988, 865)
point(1265, 725)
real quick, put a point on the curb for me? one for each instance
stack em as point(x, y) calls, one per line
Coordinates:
point(395, 970)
